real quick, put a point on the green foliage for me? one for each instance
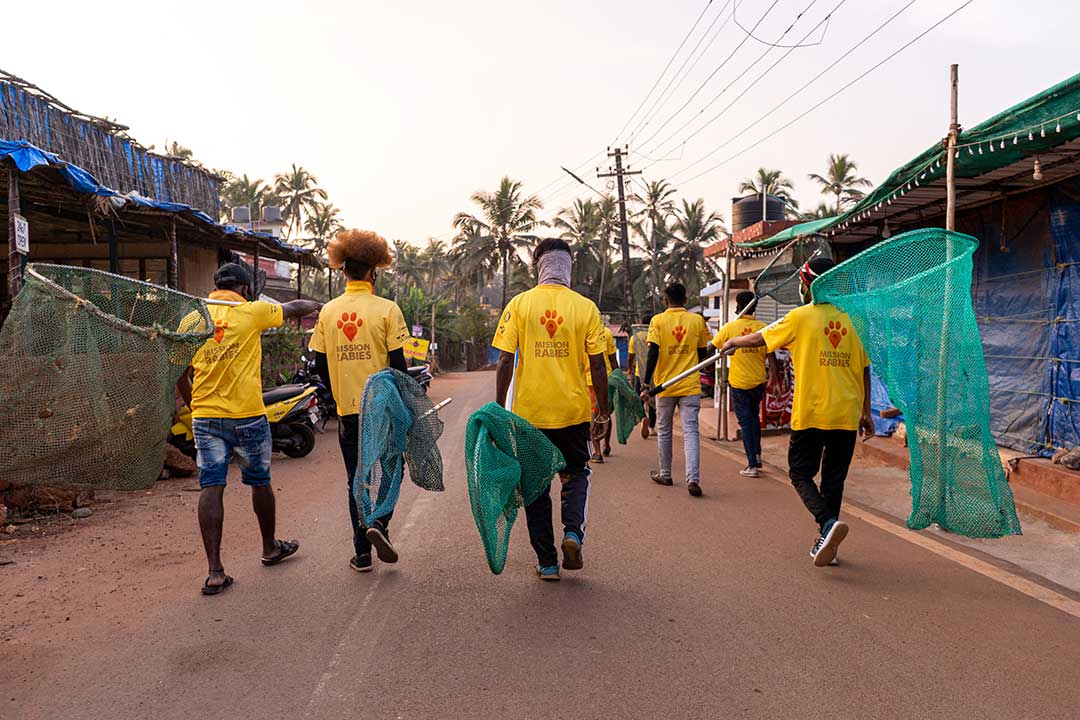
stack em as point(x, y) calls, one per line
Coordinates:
point(474, 324)
point(281, 348)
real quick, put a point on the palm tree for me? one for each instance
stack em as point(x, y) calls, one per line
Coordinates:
point(176, 150)
point(659, 205)
point(693, 231)
point(433, 262)
point(507, 218)
point(842, 181)
point(321, 225)
point(408, 267)
point(300, 192)
point(245, 192)
point(821, 212)
point(580, 224)
point(771, 182)
point(608, 209)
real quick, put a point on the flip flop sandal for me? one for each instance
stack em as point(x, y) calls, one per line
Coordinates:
point(287, 548)
point(208, 589)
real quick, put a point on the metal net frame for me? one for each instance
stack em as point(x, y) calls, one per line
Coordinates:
point(90, 362)
point(909, 299)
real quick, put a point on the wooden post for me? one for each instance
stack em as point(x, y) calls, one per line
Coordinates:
point(950, 160)
point(255, 272)
point(299, 294)
point(174, 257)
point(114, 249)
point(14, 259)
point(329, 283)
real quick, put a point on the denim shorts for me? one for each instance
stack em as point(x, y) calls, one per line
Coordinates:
point(216, 439)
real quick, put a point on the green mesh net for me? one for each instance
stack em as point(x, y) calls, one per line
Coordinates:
point(508, 464)
point(909, 299)
point(628, 410)
point(780, 278)
point(398, 427)
point(89, 363)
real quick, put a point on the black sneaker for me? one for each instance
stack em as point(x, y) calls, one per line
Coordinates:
point(361, 563)
point(694, 489)
point(826, 546)
point(660, 479)
point(379, 537)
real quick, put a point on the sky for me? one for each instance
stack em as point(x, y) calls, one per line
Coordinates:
point(403, 110)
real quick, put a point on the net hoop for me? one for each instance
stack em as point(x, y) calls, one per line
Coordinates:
point(35, 270)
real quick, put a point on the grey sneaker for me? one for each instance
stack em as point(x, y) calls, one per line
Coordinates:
point(660, 479)
point(749, 471)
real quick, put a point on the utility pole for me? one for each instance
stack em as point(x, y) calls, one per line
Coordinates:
point(950, 158)
point(619, 173)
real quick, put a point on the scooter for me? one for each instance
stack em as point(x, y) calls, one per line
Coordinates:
point(308, 374)
point(292, 411)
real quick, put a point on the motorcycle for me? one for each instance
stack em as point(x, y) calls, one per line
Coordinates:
point(292, 411)
point(422, 375)
point(308, 374)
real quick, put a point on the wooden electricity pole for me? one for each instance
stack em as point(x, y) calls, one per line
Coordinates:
point(950, 159)
point(14, 277)
point(624, 234)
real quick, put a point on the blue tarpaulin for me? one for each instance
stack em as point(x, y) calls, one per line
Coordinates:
point(27, 157)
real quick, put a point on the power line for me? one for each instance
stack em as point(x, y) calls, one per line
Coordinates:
point(668, 90)
point(710, 77)
point(791, 122)
point(661, 76)
point(749, 87)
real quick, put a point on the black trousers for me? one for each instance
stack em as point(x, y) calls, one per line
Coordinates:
point(831, 452)
point(349, 439)
point(573, 443)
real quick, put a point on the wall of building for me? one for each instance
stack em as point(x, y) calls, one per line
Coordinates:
point(197, 267)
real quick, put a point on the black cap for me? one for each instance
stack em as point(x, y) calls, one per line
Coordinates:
point(232, 275)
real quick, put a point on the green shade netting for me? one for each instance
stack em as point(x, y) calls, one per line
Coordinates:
point(89, 363)
point(398, 426)
point(508, 464)
point(909, 299)
point(627, 408)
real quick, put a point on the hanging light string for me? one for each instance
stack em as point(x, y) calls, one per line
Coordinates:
point(1014, 137)
point(931, 168)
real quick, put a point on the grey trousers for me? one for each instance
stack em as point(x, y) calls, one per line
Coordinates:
point(689, 407)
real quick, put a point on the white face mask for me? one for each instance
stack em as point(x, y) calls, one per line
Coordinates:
point(553, 268)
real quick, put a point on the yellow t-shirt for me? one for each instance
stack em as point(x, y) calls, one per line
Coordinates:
point(555, 330)
point(828, 359)
point(609, 350)
point(228, 367)
point(357, 331)
point(679, 334)
point(639, 346)
point(747, 365)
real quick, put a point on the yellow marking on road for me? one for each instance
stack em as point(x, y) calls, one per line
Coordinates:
point(1020, 584)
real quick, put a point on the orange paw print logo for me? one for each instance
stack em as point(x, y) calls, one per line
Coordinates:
point(349, 324)
point(219, 330)
point(551, 320)
point(679, 332)
point(746, 330)
point(835, 331)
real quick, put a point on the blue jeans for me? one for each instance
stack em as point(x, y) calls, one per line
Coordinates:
point(689, 407)
point(217, 439)
point(747, 406)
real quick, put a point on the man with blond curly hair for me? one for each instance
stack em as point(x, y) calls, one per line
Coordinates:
point(357, 335)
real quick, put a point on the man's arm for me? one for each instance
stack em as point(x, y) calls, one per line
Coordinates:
point(613, 360)
point(322, 366)
point(743, 341)
point(650, 362)
point(631, 366)
point(866, 422)
point(598, 370)
point(298, 308)
point(504, 373)
point(183, 386)
point(703, 353)
point(396, 359)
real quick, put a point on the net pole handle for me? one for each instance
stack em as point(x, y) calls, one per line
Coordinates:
point(231, 303)
point(438, 407)
point(697, 368)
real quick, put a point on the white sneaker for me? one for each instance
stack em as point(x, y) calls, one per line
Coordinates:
point(749, 471)
point(824, 551)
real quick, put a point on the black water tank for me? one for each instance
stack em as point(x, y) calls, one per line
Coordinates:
point(746, 211)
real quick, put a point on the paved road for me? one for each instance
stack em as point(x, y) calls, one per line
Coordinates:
point(701, 608)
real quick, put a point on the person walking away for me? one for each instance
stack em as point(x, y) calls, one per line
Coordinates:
point(357, 335)
point(601, 434)
point(746, 379)
point(677, 341)
point(553, 329)
point(638, 357)
point(223, 388)
point(831, 404)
